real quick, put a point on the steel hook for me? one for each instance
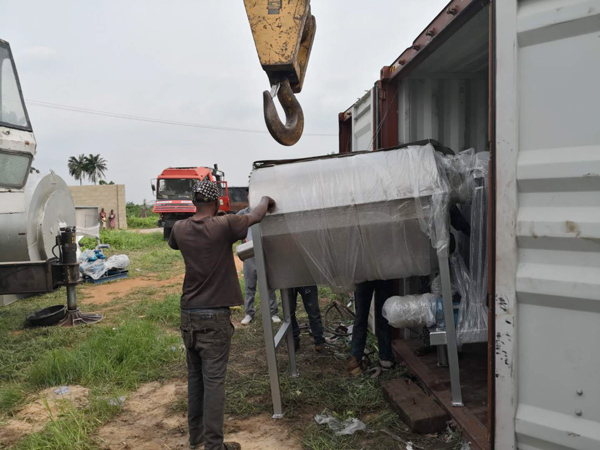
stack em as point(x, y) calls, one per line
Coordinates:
point(291, 132)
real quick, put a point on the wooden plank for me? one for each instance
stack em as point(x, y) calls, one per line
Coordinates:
point(418, 410)
point(473, 430)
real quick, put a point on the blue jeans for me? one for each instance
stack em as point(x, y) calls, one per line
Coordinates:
point(384, 289)
point(207, 336)
point(310, 298)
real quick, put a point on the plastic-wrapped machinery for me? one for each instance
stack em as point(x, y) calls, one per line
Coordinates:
point(346, 219)
point(468, 177)
point(411, 311)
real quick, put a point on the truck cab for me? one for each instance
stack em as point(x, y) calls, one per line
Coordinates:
point(173, 191)
point(17, 142)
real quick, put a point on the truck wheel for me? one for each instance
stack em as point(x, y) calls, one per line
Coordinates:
point(167, 233)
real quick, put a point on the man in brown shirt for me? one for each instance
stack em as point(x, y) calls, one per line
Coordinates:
point(210, 287)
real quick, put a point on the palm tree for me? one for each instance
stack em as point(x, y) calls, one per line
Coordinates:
point(95, 167)
point(77, 167)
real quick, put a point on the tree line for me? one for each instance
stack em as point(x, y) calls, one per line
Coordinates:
point(91, 166)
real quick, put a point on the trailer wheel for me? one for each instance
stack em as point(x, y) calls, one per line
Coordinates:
point(167, 233)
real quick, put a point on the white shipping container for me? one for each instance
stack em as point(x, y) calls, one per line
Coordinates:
point(548, 224)
point(533, 68)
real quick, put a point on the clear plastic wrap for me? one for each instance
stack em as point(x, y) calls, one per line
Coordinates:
point(473, 313)
point(411, 311)
point(93, 231)
point(344, 220)
point(96, 268)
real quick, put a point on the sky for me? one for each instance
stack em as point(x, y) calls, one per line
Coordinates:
point(190, 61)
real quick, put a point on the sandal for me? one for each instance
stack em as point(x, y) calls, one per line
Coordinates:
point(232, 446)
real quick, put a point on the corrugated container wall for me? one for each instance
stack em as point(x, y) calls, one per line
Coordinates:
point(446, 97)
point(548, 224)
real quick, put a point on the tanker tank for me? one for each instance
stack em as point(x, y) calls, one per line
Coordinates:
point(28, 232)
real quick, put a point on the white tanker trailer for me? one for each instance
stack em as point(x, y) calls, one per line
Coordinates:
point(37, 214)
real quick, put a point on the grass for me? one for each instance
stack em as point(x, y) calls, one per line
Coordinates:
point(110, 358)
point(123, 240)
point(124, 356)
point(143, 222)
point(72, 429)
point(11, 395)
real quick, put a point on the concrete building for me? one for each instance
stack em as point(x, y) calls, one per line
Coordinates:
point(109, 196)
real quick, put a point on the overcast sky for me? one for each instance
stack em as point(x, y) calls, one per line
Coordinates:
point(188, 61)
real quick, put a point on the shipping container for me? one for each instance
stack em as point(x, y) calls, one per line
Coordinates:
point(517, 78)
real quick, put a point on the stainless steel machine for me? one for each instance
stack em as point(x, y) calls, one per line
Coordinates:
point(344, 219)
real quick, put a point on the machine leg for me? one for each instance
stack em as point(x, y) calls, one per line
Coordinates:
point(285, 305)
point(450, 330)
point(72, 298)
point(71, 277)
point(442, 354)
point(263, 290)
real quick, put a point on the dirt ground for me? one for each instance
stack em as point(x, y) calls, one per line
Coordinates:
point(34, 416)
point(105, 293)
point(151, 421)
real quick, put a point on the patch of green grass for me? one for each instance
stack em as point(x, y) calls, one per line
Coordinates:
point(11, 395)
point(143, 222)
point(123, 240)
point(166, 312)
point(20, 347)
point(163, 262)
point(70, 429)
point(124, 356)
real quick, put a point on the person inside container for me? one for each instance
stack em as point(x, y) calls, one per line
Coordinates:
point(210, 288)
point(363, 295)
point(250, 283)
point(310, 298)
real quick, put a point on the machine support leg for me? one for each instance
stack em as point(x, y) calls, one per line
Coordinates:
point(285, 305)
point(71, 278)
point(450, 330)
point(263, 290)
point(72, 298)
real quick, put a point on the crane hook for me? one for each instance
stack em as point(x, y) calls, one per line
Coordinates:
point(291, 132)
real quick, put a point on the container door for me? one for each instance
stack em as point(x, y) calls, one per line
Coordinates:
point(362, 123)
point(548, 224)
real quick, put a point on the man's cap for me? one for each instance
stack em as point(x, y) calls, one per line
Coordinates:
point(206, 191)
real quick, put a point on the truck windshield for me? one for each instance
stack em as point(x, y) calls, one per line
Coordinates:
point(12, 107)
point(175, 189)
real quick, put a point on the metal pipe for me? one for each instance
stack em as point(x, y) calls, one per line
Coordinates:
point(72, 298)
point(245, 251)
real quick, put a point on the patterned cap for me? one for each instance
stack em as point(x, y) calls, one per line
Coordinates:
point(206, 191)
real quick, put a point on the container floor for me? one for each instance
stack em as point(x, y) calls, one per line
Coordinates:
point(472, 418)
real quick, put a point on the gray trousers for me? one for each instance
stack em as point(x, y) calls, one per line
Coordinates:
point(207, 337)
point(250, 281)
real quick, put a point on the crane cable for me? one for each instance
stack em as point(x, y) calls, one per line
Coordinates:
point(150, 119)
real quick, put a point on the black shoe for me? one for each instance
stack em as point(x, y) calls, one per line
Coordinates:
point(296, 345)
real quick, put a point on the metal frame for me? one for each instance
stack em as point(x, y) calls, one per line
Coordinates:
point(445, 340)
point(272, 342)
point(450, 335)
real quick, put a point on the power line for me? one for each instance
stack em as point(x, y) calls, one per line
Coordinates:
point(150, 119)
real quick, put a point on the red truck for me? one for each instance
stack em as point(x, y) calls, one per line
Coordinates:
point(173, 191)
